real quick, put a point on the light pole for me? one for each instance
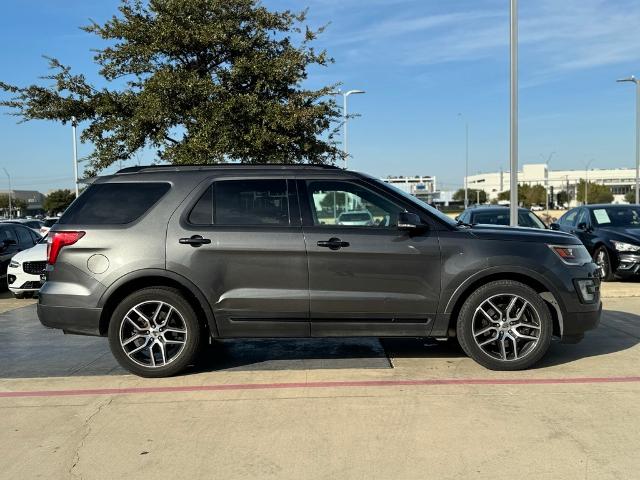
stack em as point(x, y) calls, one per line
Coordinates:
point(586, 181)
point(637, 82)
point(466, 160)
point(74, 124)
point(10, 192)
point(513, 130)
point(546, 181)
point(345, 117)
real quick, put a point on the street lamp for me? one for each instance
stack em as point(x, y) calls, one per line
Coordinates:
point(513, 128)
point(466, 160)
point(10, 192)
point(637, 82)
point(586, 181)
point(546, 180)
point(74, 124)
point(345, 117)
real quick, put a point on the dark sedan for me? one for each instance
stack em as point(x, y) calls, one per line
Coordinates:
point(611, 234)
point(499, 216)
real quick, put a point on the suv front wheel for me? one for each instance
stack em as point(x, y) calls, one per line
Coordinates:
point(154, 332)
point(505, 325)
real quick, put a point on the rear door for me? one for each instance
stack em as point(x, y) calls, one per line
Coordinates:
point(369, 279)
point(240, 241)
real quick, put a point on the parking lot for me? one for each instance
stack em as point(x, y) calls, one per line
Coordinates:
point(355, 408)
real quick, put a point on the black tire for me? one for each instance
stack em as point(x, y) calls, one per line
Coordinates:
point(494, 291)
point(603, 260)
point(185, 353)
point(19, 296)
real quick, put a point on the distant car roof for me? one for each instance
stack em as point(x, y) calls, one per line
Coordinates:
point(495, 207)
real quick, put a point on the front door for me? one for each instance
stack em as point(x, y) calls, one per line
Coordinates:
point(366, 277)
point(240, 241)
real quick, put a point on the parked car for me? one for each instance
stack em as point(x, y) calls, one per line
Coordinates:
point(537, 208)
point(611, 234)
point(499, 216)
point(47, 223)
point(25, 271)
point(14, 238)
point(160, 259)
point(355, 218)
point(31, 223)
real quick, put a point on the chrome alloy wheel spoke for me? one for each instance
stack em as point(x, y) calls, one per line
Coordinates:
point(162, 338)
point(506, 327)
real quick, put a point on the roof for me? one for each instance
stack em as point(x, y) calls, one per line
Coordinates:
point(225, 166)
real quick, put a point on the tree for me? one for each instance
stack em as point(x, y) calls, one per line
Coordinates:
point(16, 204)
point(562, 197)
point(458, 196)
point(58, 200)
point(527, 195)
point(630, 196)
point(199, 81)
point(595, 193)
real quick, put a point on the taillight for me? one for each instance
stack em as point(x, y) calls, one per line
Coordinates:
point(58, 240)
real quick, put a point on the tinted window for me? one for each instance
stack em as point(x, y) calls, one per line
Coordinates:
point(33, 224)
point(582, 217)
point(569, 218)
point(336, 203)
point(7, 233)
point(624, 217)
point(202, 212)
point(50, 222)
point(24, 238)
point(113, 203)
point(244, 202)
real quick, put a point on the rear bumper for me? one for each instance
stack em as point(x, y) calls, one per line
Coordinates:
point(78, 320)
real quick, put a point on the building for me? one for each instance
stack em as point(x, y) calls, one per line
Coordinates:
point(619, 180)
point(421, 186)
point(33, 200)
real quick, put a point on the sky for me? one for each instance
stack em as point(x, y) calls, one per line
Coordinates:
point(427, 66)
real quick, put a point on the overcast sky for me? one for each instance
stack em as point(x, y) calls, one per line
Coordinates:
point(421, 62)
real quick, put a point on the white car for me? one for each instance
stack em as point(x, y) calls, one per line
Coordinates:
point(47, 223)
point(537, 208)
point(25, 268)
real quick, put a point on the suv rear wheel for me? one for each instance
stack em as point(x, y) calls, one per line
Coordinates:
point(505, 325)
point(154, 332)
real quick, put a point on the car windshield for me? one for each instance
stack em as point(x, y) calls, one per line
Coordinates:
point(624, 217)
point(501, 217)
point(424, 205)
point(354, 217)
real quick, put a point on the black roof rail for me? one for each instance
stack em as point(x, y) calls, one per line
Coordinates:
point(283, 166)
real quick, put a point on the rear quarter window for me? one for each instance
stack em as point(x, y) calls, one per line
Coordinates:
point(113, 203)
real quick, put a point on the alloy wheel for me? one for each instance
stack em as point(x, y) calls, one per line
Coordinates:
point(153, 334)
point(506, 327)
point(602, 262)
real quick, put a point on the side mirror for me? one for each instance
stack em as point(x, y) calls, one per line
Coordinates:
point(583, 226)
point(457, 217)
point(554, 226)
point(409, 221)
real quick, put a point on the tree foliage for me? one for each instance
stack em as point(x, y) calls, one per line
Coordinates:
point(472, 194)
point(199, 81)
point(528, 195)
point(594, 193)
point(630, 196)
point(16, 203)
point(58, 200)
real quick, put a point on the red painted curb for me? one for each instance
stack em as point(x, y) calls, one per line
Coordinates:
point(336, 384)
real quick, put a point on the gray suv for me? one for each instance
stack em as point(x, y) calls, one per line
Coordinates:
point(163, 259)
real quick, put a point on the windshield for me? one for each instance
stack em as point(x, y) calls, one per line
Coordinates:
point(624, 217)
point(424, 205)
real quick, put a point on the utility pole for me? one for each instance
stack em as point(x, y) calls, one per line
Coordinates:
point(513, 130)
point(75, 154)
point(10, 191)
point(637, 84)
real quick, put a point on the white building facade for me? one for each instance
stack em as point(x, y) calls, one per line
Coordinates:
point(619, 180)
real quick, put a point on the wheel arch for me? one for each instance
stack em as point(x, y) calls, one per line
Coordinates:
point(155, 278)
point(527, 277)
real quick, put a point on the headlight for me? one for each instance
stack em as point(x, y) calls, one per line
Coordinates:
point(14, 264)
point(572, 254)
point(625, 247)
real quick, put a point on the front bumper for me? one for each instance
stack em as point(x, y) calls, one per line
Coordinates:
point(78, 320)
point(628, 264)
point(575, 324)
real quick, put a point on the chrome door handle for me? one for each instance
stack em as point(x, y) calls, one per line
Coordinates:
point(333, 243)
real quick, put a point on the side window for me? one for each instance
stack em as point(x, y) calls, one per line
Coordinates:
point(582, 217)
point(569, 218)
point(24, 239)
point(243, 202)
point(7, 233)
point(349, 204)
